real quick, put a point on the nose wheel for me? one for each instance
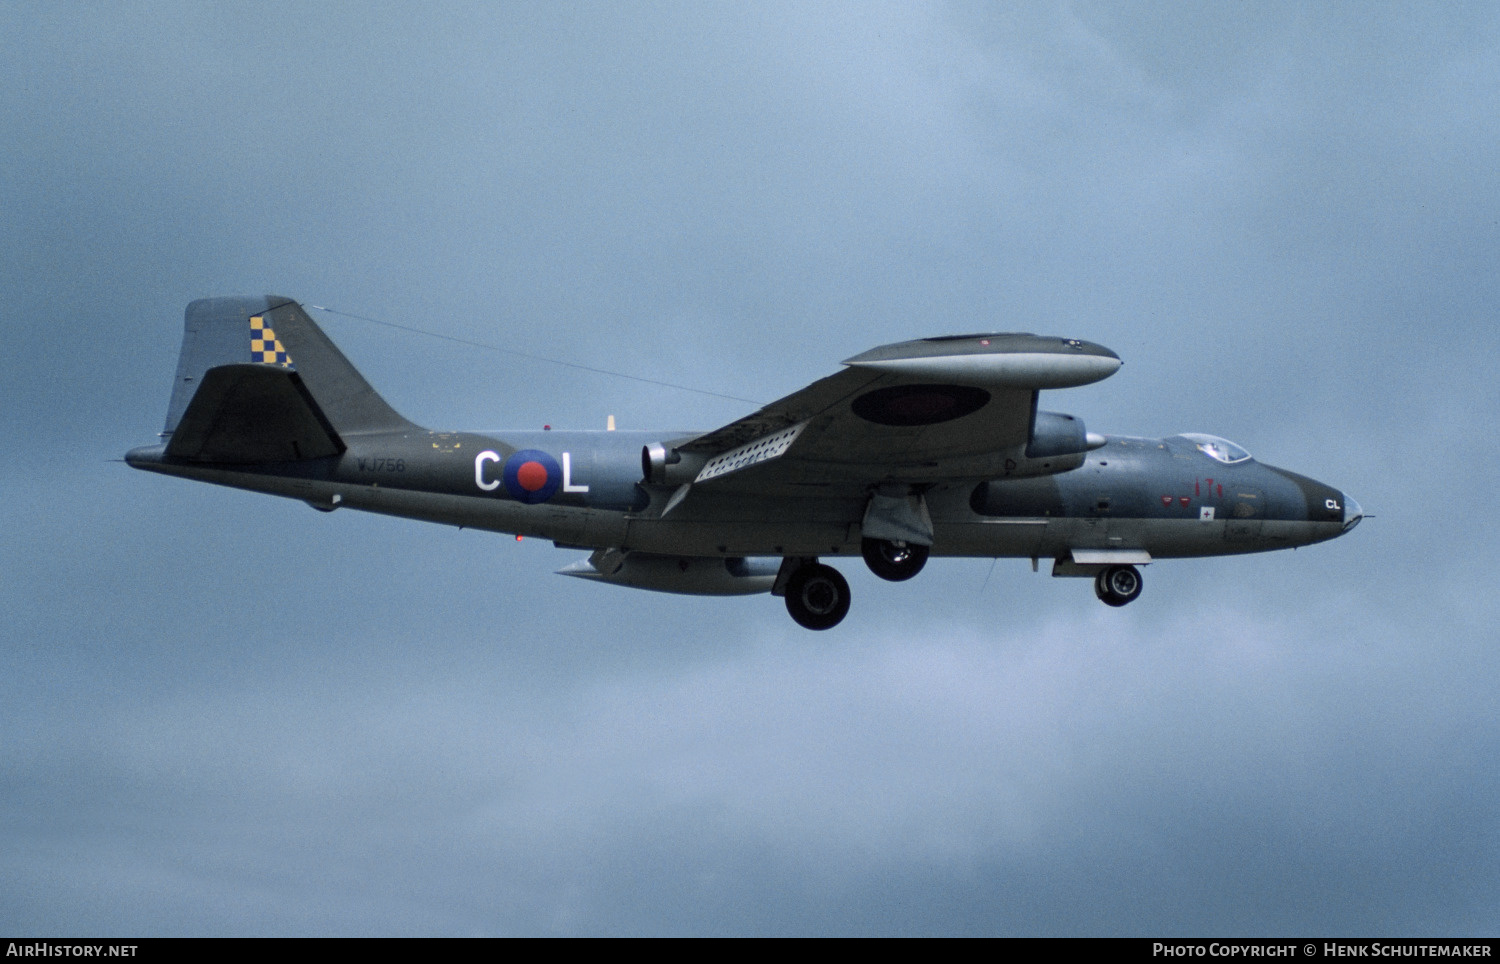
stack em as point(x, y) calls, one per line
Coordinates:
point(894, 561)
point(817, 596)
point(1118, 585)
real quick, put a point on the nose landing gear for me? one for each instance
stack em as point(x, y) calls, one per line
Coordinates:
point(1118, 585)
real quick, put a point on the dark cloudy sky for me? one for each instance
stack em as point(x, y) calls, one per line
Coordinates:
point(222, 713)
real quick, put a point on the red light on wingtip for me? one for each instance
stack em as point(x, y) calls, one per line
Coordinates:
point(518, 537)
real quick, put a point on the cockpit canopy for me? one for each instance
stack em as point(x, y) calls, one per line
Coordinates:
point(1218, 449)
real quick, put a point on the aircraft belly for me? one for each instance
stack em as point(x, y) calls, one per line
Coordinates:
point(716, 523)
point(565, 524)
point(757, 538)
point(990, 537)
point(1162, 538)
point(1187, 538)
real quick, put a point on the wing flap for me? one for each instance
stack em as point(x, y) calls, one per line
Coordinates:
point(253, 413)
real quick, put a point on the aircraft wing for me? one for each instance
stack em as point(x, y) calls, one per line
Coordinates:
point(912, 412)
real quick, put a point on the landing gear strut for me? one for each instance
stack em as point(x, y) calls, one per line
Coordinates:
point(895, 561)
point(817, 596)
point(1118, 585)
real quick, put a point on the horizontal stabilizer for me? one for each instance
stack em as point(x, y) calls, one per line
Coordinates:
point(253, 413)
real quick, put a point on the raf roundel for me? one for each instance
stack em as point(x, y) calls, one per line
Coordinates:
point(531, 476)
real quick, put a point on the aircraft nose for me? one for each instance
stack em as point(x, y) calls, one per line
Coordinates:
point(1352, 512)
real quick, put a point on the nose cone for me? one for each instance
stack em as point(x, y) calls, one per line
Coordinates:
point(1352, 512)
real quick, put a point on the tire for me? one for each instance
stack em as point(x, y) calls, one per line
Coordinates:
point(817, 597)
point(894, 561)
point(1118, 585)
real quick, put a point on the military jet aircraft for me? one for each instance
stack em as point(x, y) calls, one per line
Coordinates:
point(927, 447)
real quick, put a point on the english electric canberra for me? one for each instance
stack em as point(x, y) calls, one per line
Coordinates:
point(922, 448)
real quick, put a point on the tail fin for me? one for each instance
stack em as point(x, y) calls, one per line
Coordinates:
point(258, 380)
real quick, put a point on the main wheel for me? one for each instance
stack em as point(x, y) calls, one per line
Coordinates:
point(895, 561)
point(1118, 585)
point(817, 596)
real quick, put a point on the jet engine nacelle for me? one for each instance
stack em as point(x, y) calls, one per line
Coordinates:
point(1058, 443)
point(689, 575)
point(663, 466)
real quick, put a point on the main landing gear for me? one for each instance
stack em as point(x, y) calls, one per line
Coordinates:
point(894, 561)
point(817, 596)
point(1118, 585)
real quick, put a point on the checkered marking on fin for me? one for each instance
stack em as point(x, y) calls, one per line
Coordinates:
point(264, 345)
